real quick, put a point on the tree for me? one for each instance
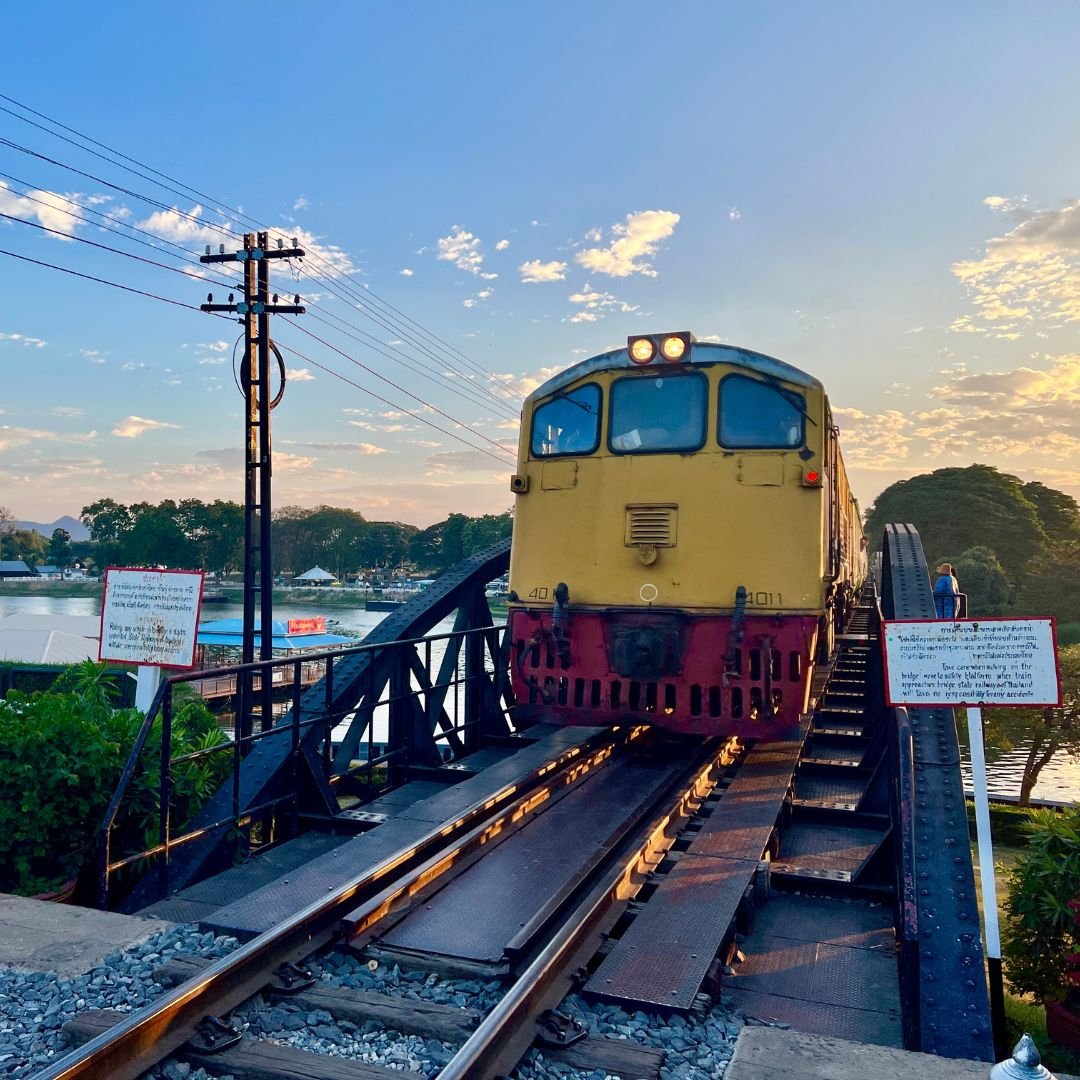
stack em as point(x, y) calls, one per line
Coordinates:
point(24, 545)
point(1058, 513)
point(958, 509)
point(1051, 585)
point(7, 519)
point(983, 580)
point(1049, 730)
point(60, 548)
point(482, 532)
point(109, 523)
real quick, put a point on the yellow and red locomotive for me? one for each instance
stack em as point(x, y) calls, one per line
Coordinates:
point(685, 540)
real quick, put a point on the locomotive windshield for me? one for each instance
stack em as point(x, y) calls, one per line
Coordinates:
point(755, 415)
point(568, 423)
point(658, 414)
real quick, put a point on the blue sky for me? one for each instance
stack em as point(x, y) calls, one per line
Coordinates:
point(886, 197)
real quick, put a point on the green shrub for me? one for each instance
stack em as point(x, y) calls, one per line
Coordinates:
point(1040, 930)
point(1068, 633)
point(61, 755)
point(1008, 824)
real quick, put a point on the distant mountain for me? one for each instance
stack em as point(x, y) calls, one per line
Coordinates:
point(73, 525)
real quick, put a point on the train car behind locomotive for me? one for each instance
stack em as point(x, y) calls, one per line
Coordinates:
point(685, 540)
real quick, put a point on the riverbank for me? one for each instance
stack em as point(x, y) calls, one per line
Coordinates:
point(59, 589)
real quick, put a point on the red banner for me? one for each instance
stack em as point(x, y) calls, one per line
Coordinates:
point(315, 625)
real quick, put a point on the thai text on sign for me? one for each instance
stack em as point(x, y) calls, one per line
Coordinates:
point(1004, 662)
point(150, 616)
point(315, 625)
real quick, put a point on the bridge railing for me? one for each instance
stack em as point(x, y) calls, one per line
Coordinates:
point(405, 713)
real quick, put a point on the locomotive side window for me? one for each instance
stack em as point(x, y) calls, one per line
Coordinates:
point(568, 423)
point(755, 415)
point(650, 415)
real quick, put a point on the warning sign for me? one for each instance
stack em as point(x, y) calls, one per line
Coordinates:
point(150, 616)
point(1010, 662)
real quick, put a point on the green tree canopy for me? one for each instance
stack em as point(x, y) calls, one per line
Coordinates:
point(983, 580)
point(60, 548)
point(958, 509)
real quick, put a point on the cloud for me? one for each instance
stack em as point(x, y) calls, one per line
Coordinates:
point(873, 441)
point(406, 272)
point(25, 340)
point(462, 249)
point(596, 304)
point(1026, 280)
point(456, 461)
point(365, 448)
point(301, 203)
point(48, 208)
point(66, 410)
point(299, 375)
point(95, 356)
point(187, 227)
point(502, 245)
point(734, 214)
point(526, 384)
point(632, 244)
point(131, 427)
point(11, 437)
point(203, 361)
point(535, 270)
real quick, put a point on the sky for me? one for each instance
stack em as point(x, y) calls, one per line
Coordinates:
point(887, 196)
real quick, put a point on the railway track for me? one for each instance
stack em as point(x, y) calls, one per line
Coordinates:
point(654, 797)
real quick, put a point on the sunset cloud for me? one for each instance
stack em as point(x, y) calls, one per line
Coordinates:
point(534, 270)
point(131, 427)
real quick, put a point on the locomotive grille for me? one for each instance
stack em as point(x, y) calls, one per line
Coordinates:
point(651, 525)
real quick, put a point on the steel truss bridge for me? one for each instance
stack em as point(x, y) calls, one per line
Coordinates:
point(438, 697)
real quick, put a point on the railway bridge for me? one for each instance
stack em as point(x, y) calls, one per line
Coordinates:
point(822, 881)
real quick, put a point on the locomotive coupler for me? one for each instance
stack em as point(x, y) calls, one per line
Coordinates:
point(560, 618)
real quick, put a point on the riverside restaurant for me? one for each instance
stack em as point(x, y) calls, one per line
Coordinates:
point(219, 644)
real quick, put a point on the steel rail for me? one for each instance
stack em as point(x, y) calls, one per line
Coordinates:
point(142, 1039)
point(507, 1031)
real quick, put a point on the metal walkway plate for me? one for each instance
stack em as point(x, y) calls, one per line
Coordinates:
point(268, 906)
point(815, 848)
point(484, 914)
point(663, 957)
point(823, 966)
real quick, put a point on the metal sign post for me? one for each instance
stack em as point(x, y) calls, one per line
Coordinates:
point(1010, 663)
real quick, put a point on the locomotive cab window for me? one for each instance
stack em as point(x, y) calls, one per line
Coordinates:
point(567, 424)
point(755, 415)
point(652, 414)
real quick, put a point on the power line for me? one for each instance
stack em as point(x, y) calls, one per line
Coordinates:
point(390, 382)
point(102, 281)
point(237, 216)
point(295, 352)
point(185, 255)
point(393, 405)
point(115, 251)
point(466, 390)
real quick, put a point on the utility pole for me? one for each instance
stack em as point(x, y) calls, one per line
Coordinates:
point(255, 311)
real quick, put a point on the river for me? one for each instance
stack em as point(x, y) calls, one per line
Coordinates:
point(1058, 781)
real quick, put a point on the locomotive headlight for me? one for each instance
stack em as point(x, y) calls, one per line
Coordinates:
point(641, 349)
point(673, 347)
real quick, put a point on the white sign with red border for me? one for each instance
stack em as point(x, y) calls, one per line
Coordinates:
point(150, 616)
point(945, 662)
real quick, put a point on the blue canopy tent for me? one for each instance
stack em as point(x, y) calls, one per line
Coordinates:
point(289, 635)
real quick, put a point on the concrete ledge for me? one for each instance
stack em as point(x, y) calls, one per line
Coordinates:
point(70, 940)
point(765, 1053)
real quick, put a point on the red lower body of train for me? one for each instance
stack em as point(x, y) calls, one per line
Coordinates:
point(688, 673)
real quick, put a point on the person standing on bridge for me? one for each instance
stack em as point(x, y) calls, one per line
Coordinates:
point(946, 592)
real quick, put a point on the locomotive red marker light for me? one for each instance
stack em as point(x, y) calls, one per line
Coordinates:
point(641, 349)
point(812, 477)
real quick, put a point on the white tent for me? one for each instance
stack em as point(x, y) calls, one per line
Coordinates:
point(315, 574)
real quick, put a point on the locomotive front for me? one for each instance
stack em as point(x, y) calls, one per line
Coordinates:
point(681, 536)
